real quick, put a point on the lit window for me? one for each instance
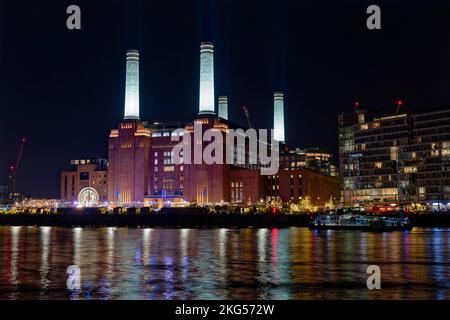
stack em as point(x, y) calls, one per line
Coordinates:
point(410, 169)
point(361, 118)
point(394, 153)
point(422, 191)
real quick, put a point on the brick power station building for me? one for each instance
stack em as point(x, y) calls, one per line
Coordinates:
point(142, 170)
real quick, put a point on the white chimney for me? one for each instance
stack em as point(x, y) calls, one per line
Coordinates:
point(278, 116)
point(223, 107)
point(132, 86)
point(206, 105)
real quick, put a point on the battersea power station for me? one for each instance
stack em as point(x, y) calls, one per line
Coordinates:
point(147, 167)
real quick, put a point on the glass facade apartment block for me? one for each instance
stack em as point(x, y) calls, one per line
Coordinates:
point(395, 158)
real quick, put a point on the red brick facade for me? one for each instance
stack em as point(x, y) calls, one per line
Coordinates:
point(293, 185)
point(84, 174)
point(141, 171)
point(128, 174)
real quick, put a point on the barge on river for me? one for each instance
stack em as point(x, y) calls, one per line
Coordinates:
point(359, 222)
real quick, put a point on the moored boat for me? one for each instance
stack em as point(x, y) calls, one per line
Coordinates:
point(359, 222)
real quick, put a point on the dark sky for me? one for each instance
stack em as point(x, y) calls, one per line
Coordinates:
point(64, 90)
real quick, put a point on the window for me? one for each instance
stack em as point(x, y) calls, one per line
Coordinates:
point(422, 192)
point(84, 176)
point(394, 153)
point(65, 186)
point(168, 184)
point(361, 118)
point(410, 169)
point(291, 185)
point(300, 190)
point(378, 165)
point(237, 192)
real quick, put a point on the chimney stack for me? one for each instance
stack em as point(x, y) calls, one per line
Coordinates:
point(206, 105)
point(132, 86)
point(278, 116)
point(223, 107)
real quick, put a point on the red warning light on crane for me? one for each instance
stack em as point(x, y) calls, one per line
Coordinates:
point(399, 103)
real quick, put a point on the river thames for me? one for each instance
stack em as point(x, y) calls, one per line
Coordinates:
point(291, 263)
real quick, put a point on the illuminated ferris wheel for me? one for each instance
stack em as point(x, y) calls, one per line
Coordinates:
point(88, 197)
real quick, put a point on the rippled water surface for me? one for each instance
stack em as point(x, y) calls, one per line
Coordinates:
point(293, 263)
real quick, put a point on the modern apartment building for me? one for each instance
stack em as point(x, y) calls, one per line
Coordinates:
point(395, 158)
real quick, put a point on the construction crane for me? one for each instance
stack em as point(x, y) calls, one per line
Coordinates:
point(247, 115)
point(399, 103)
point(14, 168)
point(356, 106)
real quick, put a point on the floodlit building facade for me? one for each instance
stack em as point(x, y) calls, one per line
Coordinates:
point(395, 158)
point(142, 170)
point(316, 159)
point(85, 174)
point(294, 185)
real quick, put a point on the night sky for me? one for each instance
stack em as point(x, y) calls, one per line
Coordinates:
point(64, 90)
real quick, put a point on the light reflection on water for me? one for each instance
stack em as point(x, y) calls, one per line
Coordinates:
point(294, 263)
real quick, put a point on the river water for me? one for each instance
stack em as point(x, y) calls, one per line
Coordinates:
point(292, 263)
